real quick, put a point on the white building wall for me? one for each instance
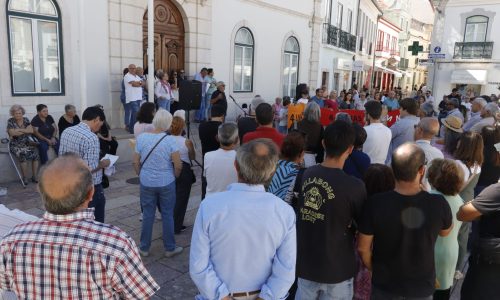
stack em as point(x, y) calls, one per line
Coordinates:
point(450, 27)
point(271, 24)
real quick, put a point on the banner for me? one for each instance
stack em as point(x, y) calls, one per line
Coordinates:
point(392, 117)
point(328, 116)
point(295, 113)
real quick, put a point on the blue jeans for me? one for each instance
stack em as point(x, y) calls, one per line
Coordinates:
point(201, 113)
point(164, 103)
point(134, 109)
point(310, 290)
point(98, 203)
point(149, 197)
point(43, 148)
point(127, 113)
point(282, 129)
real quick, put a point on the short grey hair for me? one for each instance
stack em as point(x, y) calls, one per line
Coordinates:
point(255, 102)
point(15, 108)
point(69, 107)
point(228, 134)
point(162, 120)
point(492, 108)
point(428, 109)
point(342, 116)
point(312, 113)
point(256, 166)
point(480, 101)
point(75, 193)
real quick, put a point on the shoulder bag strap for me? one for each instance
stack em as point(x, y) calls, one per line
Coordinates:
point(147, 156)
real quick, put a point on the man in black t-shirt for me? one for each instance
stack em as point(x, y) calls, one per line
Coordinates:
point(219, 97)
point(481, 280)
point(207, 131)
point(403, 225)
point(329, 207)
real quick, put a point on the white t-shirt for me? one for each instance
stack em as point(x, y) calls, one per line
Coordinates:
point(132, 93)
point(377, 142)
point(219, 170)
point(303, 101)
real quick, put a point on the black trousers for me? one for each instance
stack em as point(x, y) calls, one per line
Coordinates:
point(182, 191)
point(481, 281)
point(378, 294)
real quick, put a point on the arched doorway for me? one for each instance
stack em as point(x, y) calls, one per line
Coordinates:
point(169, 36)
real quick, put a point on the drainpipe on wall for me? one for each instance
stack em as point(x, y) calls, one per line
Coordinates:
point(312, 43)
point(372, 77)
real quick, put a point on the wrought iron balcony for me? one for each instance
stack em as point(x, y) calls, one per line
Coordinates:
point(338, 38)
point(473, 50)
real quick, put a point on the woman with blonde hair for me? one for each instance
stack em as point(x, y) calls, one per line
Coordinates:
point(186, 178)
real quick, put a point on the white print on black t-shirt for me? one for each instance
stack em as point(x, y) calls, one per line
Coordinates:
point(313, 198)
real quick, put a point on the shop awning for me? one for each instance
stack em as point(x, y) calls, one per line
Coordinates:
point(469, 77)
point(396, 73)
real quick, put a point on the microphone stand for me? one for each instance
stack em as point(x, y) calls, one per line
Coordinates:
point(241, 108)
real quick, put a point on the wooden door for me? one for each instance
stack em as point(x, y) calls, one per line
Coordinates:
point(169, 37)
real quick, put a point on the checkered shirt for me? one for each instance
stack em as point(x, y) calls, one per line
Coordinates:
point(72, 257)
point(81, 140)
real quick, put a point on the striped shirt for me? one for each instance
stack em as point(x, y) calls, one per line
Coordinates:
point(72, 257)
point(283, 178)
point(79, 139)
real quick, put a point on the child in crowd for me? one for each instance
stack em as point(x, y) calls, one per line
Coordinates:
point(283, 116)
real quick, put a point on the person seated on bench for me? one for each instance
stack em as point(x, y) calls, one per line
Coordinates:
point(22, 144)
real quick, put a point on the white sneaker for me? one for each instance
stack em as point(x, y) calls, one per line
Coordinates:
point(143, 253)
point(174, 252)
point(458, 275)
point(158, 216)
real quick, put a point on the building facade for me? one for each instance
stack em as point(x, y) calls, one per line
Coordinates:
point(387, 56)
point(73, 51)
point(468, 34)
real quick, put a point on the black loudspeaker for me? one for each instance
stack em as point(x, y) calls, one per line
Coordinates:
point(189, 94)
point(299, 90)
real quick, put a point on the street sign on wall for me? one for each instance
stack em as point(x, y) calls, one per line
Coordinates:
point(437, 55)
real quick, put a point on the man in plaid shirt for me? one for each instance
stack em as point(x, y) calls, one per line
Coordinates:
point(67, 254)
point(82, 140)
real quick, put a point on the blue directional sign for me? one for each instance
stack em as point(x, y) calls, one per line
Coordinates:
point(437, 49)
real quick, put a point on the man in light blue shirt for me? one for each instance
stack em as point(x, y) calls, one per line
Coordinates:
point(318, 98)
point(391, 101)
point(403, 130)
point(425, 131)
point(475, 115)
point(244, 241)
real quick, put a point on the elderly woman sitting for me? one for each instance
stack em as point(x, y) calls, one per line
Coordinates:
point(21, 143)
point(45, 129)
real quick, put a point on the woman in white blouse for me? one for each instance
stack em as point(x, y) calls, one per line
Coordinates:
point(163, 92)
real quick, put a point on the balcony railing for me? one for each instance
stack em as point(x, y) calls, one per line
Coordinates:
point(473, 50)
point(392, 52)
point(339, 38)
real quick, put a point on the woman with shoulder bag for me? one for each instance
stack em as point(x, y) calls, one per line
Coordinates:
point(157, 161)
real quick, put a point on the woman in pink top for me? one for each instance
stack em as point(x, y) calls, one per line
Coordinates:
point(145, 119)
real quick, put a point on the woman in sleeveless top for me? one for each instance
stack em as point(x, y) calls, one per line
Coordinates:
point(469, 156)
point(186, 179)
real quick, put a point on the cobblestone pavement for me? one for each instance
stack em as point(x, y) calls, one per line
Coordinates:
point(123, 210)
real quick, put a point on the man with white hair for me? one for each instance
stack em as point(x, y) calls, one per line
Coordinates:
point(488, 114)
point(475, 116)
point(218, 165)
point(244, 240)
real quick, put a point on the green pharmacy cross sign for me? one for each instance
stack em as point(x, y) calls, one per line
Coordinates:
point(415, 48)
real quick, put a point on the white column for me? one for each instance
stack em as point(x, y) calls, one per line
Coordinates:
point(151, 54)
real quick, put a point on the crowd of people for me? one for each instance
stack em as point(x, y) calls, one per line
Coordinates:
point(307, 211)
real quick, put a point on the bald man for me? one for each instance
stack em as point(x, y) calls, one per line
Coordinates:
point(425, 130)
point(86, 259)
point(402, 226)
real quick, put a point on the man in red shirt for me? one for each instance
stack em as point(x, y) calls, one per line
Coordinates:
point(264, 116)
